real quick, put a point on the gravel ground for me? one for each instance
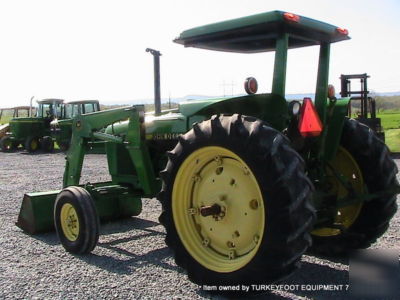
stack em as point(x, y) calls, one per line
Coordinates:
point(131, 260)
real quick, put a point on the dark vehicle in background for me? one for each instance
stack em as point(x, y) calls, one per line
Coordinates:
point(52, 122)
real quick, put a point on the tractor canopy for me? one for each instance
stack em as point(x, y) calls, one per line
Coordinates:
point(276, 31)
point(50, 101)
point(258, 33)
point(77, 107)
point(50, 108)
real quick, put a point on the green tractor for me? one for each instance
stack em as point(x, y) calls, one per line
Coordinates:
point(247, 184)
point(17, 111)
point(62, 127)
point(52, 122)
point(33, 132)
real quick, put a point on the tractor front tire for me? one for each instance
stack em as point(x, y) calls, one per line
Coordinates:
point(76, 220)
point(7, 144)
point(47, 144)
point(32, 144)
point(235, 203)
point(378, 173)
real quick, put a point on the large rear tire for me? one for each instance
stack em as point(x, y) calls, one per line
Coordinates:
point(236, 203)
point(371, 162)
point(32, 144)
point(76, 220)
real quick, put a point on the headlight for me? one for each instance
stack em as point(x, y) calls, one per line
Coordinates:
point(294, 108)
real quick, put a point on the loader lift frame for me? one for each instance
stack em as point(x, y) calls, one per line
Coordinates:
point(367, 114)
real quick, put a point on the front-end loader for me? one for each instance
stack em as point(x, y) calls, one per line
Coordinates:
point(247, 184)
point(362, 100)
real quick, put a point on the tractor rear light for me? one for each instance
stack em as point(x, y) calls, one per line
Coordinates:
point(251, 85)
point(291, 17)
point(310, 124)
point(343, 31)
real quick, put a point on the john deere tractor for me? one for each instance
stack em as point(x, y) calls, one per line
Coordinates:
point(247, 184)
point(62, 127)
point(17, 111)
point(52, 122)
point(33, 132)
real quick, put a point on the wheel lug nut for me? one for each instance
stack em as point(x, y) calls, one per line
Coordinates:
point(218, 160)
point(246, 171)
point(192, 211)
point(232, 254)
point(196, 178)
point(205, 242)
point(230, 244)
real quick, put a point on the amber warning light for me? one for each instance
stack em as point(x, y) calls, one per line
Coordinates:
point(309, 124)
point(343, 31)
point(291, 17)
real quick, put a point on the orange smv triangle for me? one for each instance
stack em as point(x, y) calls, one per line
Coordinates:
point(309, 125)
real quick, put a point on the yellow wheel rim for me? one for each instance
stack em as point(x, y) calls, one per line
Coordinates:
point(69, 222)
point(34, 144)
point(345, 165)
point(224, 241)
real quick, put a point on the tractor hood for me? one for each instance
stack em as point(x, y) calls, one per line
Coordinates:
point(270, 107)
point(191, 107)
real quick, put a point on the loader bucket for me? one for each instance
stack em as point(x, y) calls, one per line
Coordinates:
point(36, 214)
point(112, 202)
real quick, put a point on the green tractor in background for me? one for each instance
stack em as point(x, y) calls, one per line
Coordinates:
point(52, 122)
point(363, 102)
point(33, 132)
point(247, 184)
point(62, 127)
point(17, 111)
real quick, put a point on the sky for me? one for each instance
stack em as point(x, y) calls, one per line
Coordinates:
point(85, 49)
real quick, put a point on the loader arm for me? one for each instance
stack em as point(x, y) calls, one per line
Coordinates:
point(112, 200)
point(88, 126)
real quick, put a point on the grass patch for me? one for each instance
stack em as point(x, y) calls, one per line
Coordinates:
point(392, 139)
point(5, 119)
point(390, 119)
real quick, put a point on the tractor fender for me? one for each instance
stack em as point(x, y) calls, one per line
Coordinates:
point(271, 108)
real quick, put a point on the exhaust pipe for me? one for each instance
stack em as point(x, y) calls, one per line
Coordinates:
point(157, 94)
point(30, 107)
